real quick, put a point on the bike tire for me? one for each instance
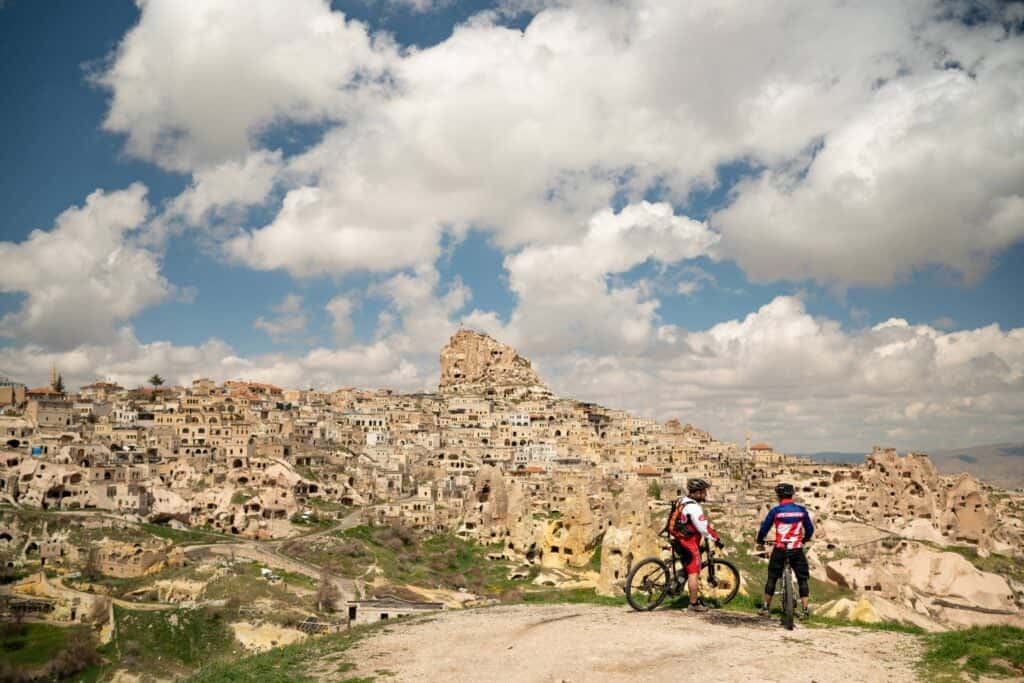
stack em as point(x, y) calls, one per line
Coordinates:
point(788, 599)
point(727, 578)
point(647, 584)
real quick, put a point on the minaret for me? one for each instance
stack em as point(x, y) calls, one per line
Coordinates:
point(748, 443)
point(53, 375)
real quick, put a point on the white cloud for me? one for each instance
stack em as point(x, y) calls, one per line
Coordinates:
point(929, 171)
point(222, 191)
point(340, 310)
point(84, 275)
point(565, 298)
point(803, 383)
point(419, 316)
point(194, 83)
point(693, 280)
point(130, 362)
point(313, 234)
point(422, 6)
point(289, 321)
point(527, 134)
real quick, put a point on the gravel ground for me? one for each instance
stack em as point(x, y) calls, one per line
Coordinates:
point(591, 643)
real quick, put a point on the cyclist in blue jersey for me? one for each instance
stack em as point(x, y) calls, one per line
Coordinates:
point(793, 528)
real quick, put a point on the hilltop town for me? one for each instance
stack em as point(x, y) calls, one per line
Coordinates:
point(171, 489)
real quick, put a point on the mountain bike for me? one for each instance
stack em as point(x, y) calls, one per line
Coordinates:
point(653, 579)
point(789, 594)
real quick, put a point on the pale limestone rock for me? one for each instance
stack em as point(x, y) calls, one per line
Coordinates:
point(951, 575)
point(473, 363)
point(631, 538)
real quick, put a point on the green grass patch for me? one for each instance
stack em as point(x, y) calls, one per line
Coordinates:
point(31, 645)
point(253, 569)
point(186, 536)
point(989, 650)
point(172, 642)
point(298, 663)
point(325, 505)
point(572, 596)
point(240, 497)
point(595, 560)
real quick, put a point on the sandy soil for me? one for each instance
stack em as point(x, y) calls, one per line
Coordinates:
point(265, 636)
point(590, 643)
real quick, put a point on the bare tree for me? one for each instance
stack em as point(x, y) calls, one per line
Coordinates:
point(91, 570)
point(99, 613)
point(327, 592)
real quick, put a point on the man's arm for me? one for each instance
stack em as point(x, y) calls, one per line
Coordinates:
point(700, 522)
point(766, 525)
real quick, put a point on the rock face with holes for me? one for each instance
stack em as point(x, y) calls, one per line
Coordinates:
point(907, 492)
point(630, 537)
point(475, 364)
point(570, 539)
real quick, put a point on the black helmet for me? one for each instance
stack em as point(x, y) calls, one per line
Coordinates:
point(694, 485)
point(785, 490)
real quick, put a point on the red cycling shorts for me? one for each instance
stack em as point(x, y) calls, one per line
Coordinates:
point(690, 552)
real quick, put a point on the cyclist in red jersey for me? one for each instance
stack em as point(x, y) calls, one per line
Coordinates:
point(688, 525)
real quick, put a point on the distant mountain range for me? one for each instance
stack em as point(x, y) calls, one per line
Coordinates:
point(1001, 464)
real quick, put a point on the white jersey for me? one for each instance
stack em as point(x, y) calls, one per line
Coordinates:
point(693, 513)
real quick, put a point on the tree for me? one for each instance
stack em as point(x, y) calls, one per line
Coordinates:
point(91, 569)
point(157, 381)
point(58, 385)
point(654, 490)
point(326, 591)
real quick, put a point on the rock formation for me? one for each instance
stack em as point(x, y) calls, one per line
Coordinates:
point(630, 537)
point(475, 364)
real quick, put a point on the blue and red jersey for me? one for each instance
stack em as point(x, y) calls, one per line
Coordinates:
point(792, 523)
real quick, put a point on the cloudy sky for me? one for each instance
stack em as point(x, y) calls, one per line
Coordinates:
point(801, 219)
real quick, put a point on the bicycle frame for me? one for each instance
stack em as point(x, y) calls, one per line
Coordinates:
point(675, 566)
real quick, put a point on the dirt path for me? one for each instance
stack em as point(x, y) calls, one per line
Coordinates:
point(589, 643)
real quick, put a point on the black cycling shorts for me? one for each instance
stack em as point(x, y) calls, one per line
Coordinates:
point(797, 560)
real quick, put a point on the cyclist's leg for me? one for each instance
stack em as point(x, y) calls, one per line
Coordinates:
point(775, 564)
point(691, 565)
point(798, 561)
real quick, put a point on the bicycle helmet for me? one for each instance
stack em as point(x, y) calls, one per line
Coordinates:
point(785, 490)
point(695, 485)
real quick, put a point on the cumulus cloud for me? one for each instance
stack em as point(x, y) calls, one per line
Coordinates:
point(874, 124)
point(566, 299)
point(419, 315)
point(131, 362)
point(288, 322)
point(84, 275)
point(221, 191)
point(929, 171)
point(195, 83)
point(806, 384)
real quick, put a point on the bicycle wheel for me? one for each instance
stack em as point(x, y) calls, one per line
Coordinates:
point(788, 598)
point(719, 584)
point(647, 584)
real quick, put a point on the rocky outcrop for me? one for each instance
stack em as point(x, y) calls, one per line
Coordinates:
point(630, 538)
point(941, 587)
point(568, 540)
point(907, 493)
point(475, 364)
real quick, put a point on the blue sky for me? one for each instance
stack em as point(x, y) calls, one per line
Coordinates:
point(216, 278)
